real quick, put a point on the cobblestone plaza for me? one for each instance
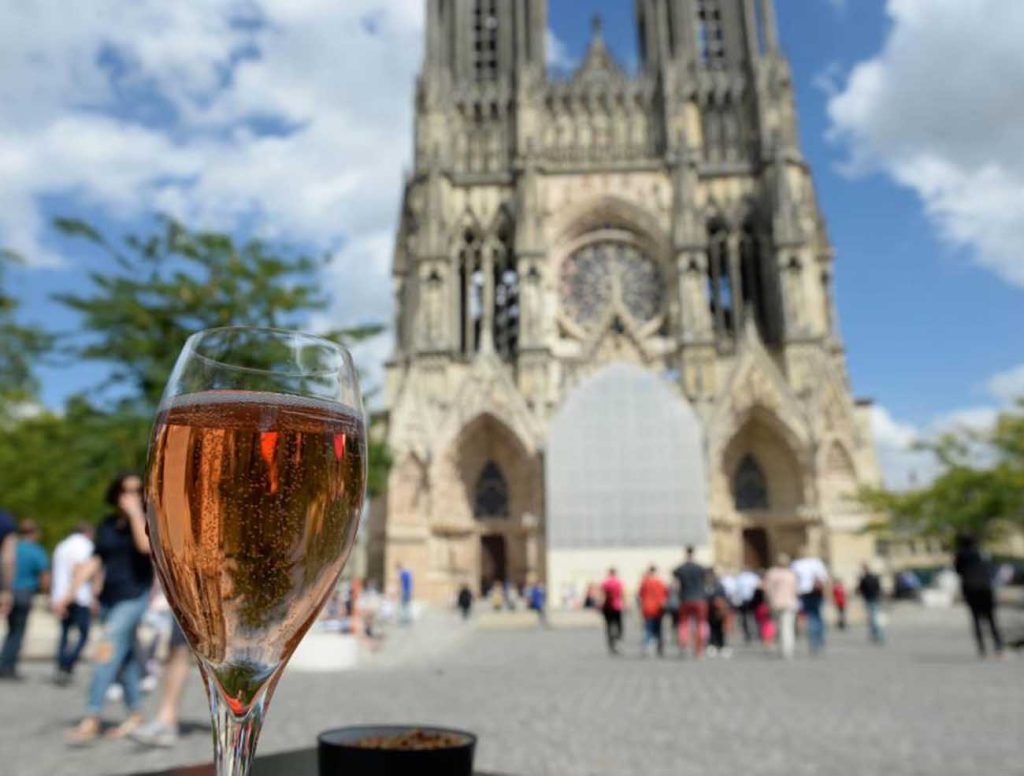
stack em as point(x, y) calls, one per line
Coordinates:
point(553, 702)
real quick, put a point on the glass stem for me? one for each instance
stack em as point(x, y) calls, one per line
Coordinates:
point(234, 737)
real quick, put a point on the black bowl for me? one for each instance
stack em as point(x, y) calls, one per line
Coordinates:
point(339, 754)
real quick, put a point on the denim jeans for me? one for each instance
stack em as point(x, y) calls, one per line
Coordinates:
point(811, 604)
point(653, 634)
point(874, 621)
point(116, 654)
point(80, 618)
point(17, 623)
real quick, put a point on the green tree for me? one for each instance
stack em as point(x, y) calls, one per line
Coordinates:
point(166, 284)
point(173, 282)
point(979, 490)
point(20, 348)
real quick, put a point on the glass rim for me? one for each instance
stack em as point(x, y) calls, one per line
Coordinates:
point(195, 337)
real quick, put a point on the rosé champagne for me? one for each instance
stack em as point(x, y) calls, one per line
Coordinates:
point(254, 502)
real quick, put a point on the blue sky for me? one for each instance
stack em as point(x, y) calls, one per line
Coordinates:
point(248, 112)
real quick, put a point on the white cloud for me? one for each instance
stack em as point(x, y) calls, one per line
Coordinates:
point(1008, 386)
point(903, 466)
point(827, 80)
point(295, 115)
point(941, 110)
point(558, 55)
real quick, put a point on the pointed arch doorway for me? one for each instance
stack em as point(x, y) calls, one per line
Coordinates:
point(493, 562)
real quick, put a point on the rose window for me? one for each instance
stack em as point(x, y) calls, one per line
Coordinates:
point(608, 273)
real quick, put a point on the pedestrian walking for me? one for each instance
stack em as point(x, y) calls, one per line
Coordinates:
point(693, 606)
point(8, 542)
point(839, 600)
point(869, 587)
point(611, 609)
point(405, 590)
point(653, 595)
point(718, 616)
point(164, 729)
point(465, 601)
point(72, 552)
point(780, 593)
point(538, 601)
point(122, 555)
point(747, 583)
point(763, 617)
point(31, 576)
point(976, 573)
point(812, 580)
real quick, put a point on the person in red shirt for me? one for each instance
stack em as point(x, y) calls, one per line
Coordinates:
point(839, 599)
point(611, 588)
point(652, 596)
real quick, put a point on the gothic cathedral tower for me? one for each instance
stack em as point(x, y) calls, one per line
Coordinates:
point(555, 232)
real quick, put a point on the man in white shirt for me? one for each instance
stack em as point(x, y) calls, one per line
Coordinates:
point(75, 550)
point(811, 579)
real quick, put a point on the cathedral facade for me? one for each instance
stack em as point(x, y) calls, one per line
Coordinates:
point(615, 327)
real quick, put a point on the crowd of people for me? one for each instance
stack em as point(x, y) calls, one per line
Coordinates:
point(704, 606)
point(104, 574)
point(99, 574)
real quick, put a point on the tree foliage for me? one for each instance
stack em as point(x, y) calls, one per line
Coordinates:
point(980, 488)
point(20, 348)
point(173, 282)
point(165, 285)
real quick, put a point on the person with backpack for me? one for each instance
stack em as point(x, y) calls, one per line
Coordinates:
point(976, 572)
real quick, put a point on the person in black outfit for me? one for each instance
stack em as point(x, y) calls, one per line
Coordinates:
point(975, 570)
point(870, 589)
point(718, 612)
point(122, 556)
point(465, 601)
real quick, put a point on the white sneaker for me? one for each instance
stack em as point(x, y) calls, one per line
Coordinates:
point(148, 684)
point(115, 693)
point(155, 733)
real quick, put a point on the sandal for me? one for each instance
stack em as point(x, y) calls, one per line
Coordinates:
point(125, 729)
point(84, 733)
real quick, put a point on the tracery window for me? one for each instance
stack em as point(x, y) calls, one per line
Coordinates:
point(489, 293)
point(506, 297)
point(610, 271)
point(710, 35)
point(471, 287)
point(752, 272)
point(720, 280)
point(490, 497)
point(749, 488)
point(485, 40)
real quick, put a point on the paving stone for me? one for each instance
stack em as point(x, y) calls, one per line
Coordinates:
point(553, 702)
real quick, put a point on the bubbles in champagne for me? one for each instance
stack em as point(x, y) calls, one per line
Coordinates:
point(254, 503)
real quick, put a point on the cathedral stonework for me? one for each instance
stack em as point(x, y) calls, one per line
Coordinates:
point(555, 232)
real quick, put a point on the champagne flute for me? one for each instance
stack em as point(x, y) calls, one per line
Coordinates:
point(255, 483)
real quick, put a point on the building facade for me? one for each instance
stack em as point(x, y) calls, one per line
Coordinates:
point(555, 231)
